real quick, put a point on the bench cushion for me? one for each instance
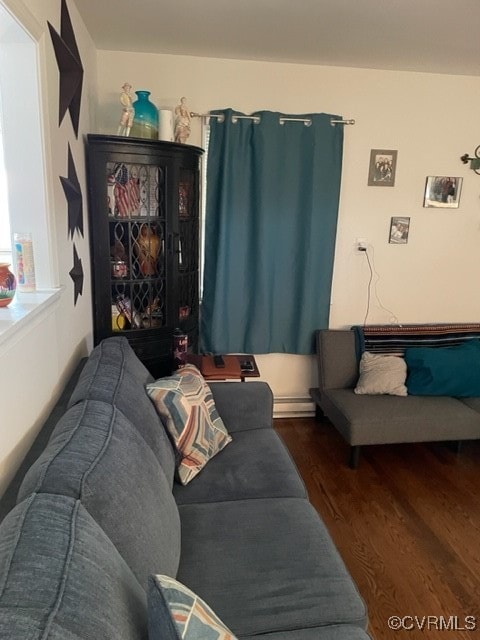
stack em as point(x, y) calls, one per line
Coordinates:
point(393, 419)
point(473, 403)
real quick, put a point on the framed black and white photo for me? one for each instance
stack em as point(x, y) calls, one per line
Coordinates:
point(382, 168)
point(399, 229)
point(442, 191)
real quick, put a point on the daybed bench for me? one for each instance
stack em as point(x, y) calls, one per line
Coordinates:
point(99, 512)
point(387, 419)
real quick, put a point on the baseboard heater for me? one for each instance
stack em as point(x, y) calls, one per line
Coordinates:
point(293, 407)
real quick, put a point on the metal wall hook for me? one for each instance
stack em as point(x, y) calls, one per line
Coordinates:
point(474, 161)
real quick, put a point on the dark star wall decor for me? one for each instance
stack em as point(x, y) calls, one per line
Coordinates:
point(76, 274)
point(70, 68)
point(73, 194)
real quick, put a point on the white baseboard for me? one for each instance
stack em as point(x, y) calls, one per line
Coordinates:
point(293, 407)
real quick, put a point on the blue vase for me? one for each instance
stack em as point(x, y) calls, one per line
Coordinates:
point(145, 120)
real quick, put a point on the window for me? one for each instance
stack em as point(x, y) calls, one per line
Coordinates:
point(23, 206)
point(5, 237)
point(24, 172)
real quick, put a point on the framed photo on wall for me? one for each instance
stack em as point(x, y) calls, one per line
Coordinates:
point(399, 230)
point(382, 168)
point(442, 191)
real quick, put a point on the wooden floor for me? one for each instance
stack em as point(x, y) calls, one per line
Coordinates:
point(406, 522)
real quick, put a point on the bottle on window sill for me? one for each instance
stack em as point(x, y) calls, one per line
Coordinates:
point(24, 262)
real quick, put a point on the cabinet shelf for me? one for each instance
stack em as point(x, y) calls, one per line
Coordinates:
point(139, 280)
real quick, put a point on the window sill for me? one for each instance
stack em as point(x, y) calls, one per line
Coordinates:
point(25, 308)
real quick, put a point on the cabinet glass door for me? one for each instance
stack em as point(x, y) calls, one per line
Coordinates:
point(188, 241)
point(137, 230)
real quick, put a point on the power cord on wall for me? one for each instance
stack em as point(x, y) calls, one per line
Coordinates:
point(373, 272)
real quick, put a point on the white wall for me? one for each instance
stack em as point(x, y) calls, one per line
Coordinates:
point(36, 362)
point(430, 119)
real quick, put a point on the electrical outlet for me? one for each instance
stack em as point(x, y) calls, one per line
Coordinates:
point(361, 244)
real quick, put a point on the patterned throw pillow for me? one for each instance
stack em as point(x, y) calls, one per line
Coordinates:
point(175, 612)
point(185, 404)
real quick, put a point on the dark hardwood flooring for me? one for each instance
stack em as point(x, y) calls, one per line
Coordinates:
point(406, 522)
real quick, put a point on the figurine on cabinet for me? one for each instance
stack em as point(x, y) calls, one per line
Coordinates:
point(153, 316)
point(126, 119)
point(147, 249)
point(118, 260)
point(182, 122)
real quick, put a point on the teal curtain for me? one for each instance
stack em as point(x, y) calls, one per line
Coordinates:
point(271, 219)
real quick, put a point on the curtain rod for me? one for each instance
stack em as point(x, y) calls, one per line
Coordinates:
point(306, 121)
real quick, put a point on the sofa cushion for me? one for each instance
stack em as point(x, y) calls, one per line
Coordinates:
point(381, 375)
point(266, 565)
point(331, 632)
point(114, 374)
point(61, 578)
point(256, 464)
point(243, 406)
point(95, 455)
point(175, 612)
point(444, 371)
point(185, 404)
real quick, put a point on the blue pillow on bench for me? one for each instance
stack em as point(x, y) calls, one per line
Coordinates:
point(444, 371)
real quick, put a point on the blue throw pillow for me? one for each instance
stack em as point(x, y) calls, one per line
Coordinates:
point(444, 371)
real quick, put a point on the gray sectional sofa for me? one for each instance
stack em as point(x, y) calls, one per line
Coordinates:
point(98, 511)
point(383, 419)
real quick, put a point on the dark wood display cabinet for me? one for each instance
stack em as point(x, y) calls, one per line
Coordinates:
point(144, 240)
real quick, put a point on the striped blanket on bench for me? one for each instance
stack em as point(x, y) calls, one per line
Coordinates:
point(394, 339)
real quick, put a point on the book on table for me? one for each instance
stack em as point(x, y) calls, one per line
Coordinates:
point(230, 370)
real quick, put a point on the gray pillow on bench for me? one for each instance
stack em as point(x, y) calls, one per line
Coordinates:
point(381, 375)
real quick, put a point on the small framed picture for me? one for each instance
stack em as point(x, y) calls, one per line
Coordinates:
point(442, 191)
point(382, 168)
point(399, 228)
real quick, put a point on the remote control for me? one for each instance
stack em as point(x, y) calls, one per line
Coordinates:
point(218, 362)
point(246, 365)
